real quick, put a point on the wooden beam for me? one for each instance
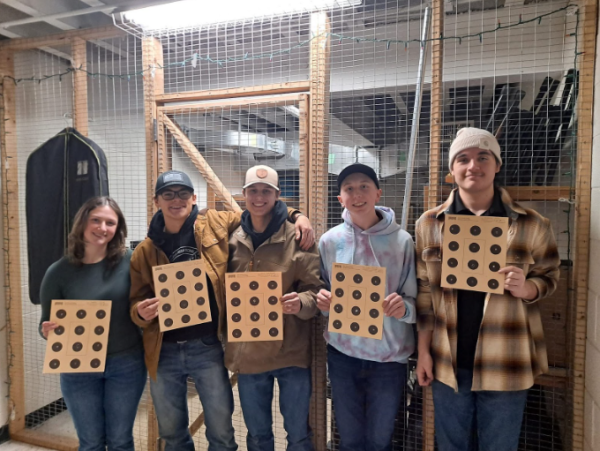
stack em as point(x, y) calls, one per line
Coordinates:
point(318, 192)
point(45, 440)
point(266, 101)
point(248, 91)
point(202, 165)
point(304, 141)
point(517, 193)
point(64, 38)
point(585, 108)
point(11, 245)
point(80, 87)
point(152, 57)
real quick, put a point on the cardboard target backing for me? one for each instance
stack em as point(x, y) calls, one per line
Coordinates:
point(78, 344)
point(357, 294)
point(254, 312)
point(181, 288)
point(474, 250)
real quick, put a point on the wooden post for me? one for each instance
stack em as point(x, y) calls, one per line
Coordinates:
point(319, 196)
point(303, 136)
point(585, 108)
point(152, 59)
point(80, 89)
point(11, 244)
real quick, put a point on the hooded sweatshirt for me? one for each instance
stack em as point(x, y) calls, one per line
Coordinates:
point(385, 245)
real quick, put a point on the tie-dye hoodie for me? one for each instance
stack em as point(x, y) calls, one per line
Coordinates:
point(385, 244)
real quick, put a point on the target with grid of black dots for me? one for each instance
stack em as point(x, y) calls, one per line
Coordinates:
point(78, 344)
point(181, 289)
point(474, 249)
point(254, 311)
point(357, 294)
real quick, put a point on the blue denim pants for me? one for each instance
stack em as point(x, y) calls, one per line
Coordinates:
point(256, 398)
point(498, 415)
point(202, 360)
point(366, 399)
point(103, 405)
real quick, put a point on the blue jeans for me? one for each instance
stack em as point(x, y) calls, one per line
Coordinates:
point(366, 398)
point(103, 405)
point(201, 359)
point(498, 415)
point(256, 398)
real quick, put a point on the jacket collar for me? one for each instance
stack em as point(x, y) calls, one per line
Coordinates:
point(513, 210)
point(277, 237)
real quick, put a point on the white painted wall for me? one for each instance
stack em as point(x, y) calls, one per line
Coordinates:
point(592, 361)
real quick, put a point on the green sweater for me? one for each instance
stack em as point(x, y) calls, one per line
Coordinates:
point(64, 280)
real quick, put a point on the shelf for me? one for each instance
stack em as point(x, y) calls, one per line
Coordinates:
point(521, 193)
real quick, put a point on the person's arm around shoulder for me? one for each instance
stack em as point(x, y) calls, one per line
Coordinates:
point(401, 304)
point(143, 303)
point(49, 290)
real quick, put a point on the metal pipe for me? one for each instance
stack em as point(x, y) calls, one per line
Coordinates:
point(412, 148)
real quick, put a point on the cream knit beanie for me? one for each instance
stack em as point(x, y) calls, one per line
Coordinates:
point(469, 137)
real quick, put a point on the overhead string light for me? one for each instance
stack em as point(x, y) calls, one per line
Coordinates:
point(193, 60)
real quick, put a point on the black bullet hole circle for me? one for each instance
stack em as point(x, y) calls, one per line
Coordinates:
point(201, 301)
point(474, 247)
point(451, 279)
point(166, 308)
point(273, 300)
point(57, 347)
point(340, 276)
point(493, 284)
point(79, 330)
point(375, 280)
point(374, 313)
point(99, 330)
point(254, 301)
point(255, 332)
point(453, 246)
point(354, 327)
point(272, 285)
point(254, 285)
point(475, 230)
point(54, 363)
point(202, 316)
point(373, 330)
point(181, 289)
point(183, 304)
point(235, 286)
point(180, 275)
point(273, 331)
point(497, 232)
point(355, 311)
point(473, 264)
point(61, 314)
point(185, 319)
point(198, 287)
point(95, 363)
point(197, 272)
point(254, 316)
point(168, 322)
point(357, 278)
point(356, 294)
point(375, 297)
point(100, 314)
point(236, 333)
point(162, 278)
point(97, 346)
point(452, 262)
point(236, 302)
point(494, 266)
point(77, 346)
point(472, 281)
point(273, 316)
point(164, 293)
point(59, 330)
point(339, 293)
point(337, 324)
point(454, 229)
point(81, 314)
point(75, 363)
point(338, 308)
point(236, 317)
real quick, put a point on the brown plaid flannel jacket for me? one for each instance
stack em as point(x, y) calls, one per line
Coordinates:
point(511, 350)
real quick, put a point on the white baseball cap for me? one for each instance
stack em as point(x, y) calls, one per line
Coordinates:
point(261, 174)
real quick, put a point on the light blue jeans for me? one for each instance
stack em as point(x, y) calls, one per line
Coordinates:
point(103, 405)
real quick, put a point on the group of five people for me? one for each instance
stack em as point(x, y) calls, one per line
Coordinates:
point(479, 351)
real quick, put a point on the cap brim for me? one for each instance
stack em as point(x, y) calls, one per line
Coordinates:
point(254, 183)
